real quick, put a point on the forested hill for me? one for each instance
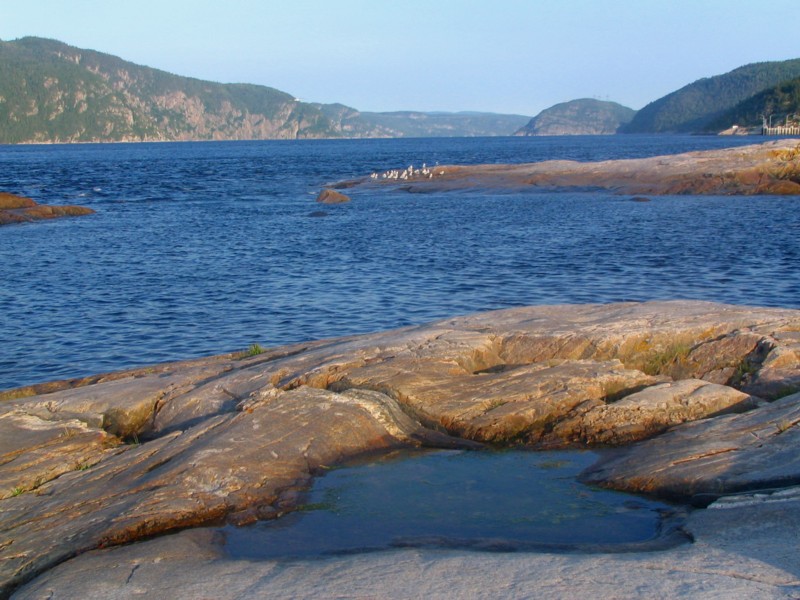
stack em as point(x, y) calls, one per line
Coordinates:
point(586, 116)
point(694, 107)
point(780, 102)
point(52, 92)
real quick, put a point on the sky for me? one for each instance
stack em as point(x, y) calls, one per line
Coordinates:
point(506, 56)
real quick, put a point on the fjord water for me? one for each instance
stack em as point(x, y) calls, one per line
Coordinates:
point(203, 248)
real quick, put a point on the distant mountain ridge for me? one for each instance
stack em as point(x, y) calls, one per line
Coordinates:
point(694, 107)
point(53, 92)
point(585, 116)
point(350, 122)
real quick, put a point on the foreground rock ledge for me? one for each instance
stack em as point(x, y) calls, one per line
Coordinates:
point(114, 458)
point(742, 550)
point(769, 168)
point(18, 209)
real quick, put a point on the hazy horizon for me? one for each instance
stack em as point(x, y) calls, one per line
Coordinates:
point(506, 56)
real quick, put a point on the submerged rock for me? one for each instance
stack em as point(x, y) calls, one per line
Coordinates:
point(111, 459)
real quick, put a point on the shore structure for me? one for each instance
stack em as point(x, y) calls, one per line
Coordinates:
point(769, 168)
point(701, 401)
point(781, 130)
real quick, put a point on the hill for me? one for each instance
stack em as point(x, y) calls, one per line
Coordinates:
point(695, 106)
point(353, 123)
point(579, 117)
point(53, 92)
point(780, 102)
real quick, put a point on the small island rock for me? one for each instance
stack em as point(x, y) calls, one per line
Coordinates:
point(18, 209)
point(329, 196)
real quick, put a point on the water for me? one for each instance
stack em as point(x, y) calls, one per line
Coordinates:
point(496, 501)
point(203, 248)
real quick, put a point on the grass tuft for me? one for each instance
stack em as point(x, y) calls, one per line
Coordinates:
point(661, 361)
point(252, 350)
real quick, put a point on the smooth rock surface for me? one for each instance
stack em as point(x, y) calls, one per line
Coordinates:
point(114, 458)
point(704, 460)
point(769, 168)
point(743, 549)
point(643, 414)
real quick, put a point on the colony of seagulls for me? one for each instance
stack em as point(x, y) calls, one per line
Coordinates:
point(408, 173)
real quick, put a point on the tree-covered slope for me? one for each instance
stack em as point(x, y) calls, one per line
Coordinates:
point(693, 107)
point(50, 91)
point(779, 102)
point(586, 116)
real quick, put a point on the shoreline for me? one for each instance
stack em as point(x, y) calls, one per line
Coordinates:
point(237, 439)
point(768, 168)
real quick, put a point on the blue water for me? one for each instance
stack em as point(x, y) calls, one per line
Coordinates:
point(203, 248)
point(508, 501)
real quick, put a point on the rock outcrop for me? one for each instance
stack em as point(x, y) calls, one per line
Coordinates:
point(115, 458)
point(702, 461)
point(769, 168)
point(18, 209)
point(328, 196)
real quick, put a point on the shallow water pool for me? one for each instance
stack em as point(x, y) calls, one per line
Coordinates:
point(494, 501)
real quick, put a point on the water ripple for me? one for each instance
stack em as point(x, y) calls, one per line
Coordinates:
point(204, 248)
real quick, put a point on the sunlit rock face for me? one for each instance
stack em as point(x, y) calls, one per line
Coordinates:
point(771, 168)
point(114, 458)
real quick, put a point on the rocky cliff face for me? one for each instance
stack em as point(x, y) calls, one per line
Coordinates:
point(52, 92)
point(579, 117)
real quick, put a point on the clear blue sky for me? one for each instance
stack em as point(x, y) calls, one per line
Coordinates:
point(514, 56)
